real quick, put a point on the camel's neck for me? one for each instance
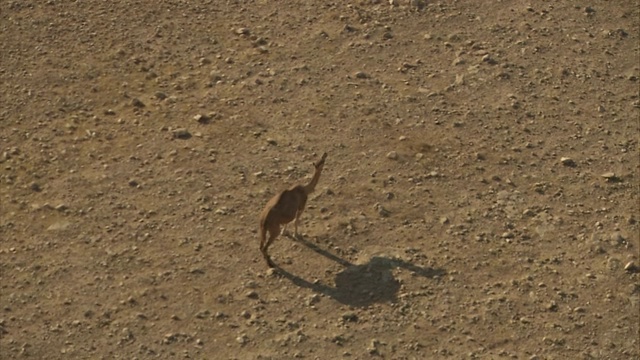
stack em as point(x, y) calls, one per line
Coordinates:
point(308, 189)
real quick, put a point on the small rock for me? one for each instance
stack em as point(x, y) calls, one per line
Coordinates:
point(60, 225)
point(252, 294)
point(133, 183)
point(350, 316)
point(419, 156)
point(243, 31)
point(202, 119)
point(617, 238)
point(313, 299)
point(381, 210)
point(137, 103)
point(36, 187)
point(444, 220)
point(631, 267)
point(271, 141)
point(489, 60)
point(361, 75)
point(568, 162)
point(610, 177)
point(271, 272)
point(61, 207)
point(181, 133)
point(242, 339)
point(392, 155)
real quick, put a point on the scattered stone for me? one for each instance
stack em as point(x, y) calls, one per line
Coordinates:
point(133, 183)
point(160, 95)
point(61, 207)
point(35, 187)
point(271, 141)
point(242, 339)
point(361, 75)
point(313, 299)
point(271, 272)
point(631, 267)
point(392, 155)
point(617, 238)
point(489, 60)
point(202, 119)
point(252, 294)
point(611, 177)
point(60, 225)
point(181, 133)
point(350, 317)
point(568, 162)
point(381, 210)
point(444, 220)
point(137, 103)
point(243, 31)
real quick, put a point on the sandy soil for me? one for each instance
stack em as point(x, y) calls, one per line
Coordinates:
point(479, 200)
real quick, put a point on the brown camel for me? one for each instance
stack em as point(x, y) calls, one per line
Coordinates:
point(284, 208)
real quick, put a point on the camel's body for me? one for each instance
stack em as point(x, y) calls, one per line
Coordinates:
point(284, 208)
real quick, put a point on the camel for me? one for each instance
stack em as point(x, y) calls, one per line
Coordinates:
point(284, 208)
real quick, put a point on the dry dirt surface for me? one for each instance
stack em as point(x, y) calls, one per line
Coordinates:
point(479, 199)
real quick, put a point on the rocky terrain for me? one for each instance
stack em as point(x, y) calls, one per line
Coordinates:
point(479, 199)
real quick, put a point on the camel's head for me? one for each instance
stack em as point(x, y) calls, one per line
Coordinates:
point(320, 164)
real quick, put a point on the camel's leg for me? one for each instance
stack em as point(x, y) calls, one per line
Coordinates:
point(296, 223)
point(274, 231)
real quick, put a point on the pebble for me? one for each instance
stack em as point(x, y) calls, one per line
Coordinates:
point(181, 133)
point(392, 155)
point(137, 103)
point(202, 119)
point(242, 339)
point(361, 75)
point(350, 316)
point(630, 267)
point(313, 299)
point(60, 225)
point(567, 162)
point(617, 238)
point(610, 176)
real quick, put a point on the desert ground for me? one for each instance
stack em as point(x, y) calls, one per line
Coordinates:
point(479, 198)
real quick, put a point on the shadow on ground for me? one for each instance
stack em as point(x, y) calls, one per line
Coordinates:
point(361, 285)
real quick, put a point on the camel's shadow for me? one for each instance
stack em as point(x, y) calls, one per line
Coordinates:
point(360, 285)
